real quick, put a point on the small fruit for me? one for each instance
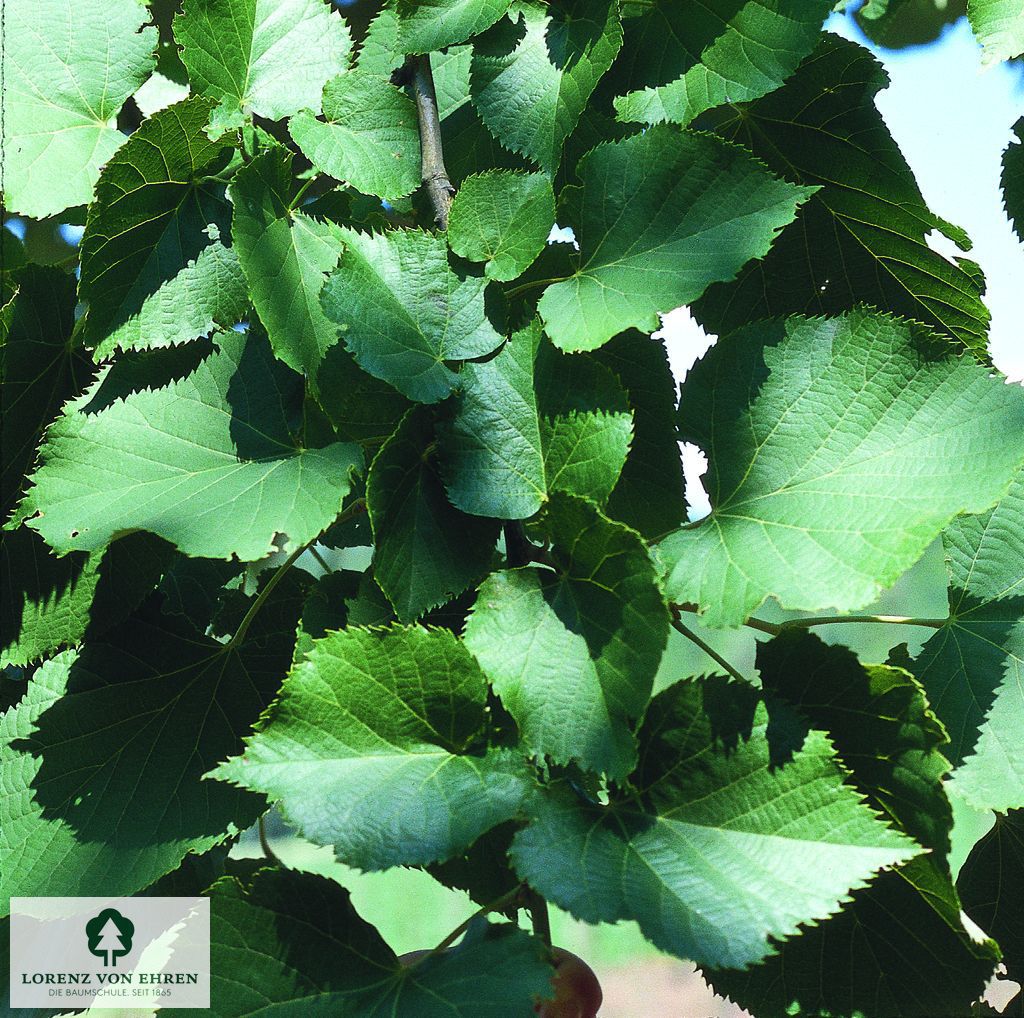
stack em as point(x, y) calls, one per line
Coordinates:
point(577, 991)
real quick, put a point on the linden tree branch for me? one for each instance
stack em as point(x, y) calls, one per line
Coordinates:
point(434, 175)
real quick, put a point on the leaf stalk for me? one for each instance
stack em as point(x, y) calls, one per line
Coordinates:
point(268, 853)
point(261, 598)
point(681, 627)
point(509, 898)
point(538, 909)
point(811, 621)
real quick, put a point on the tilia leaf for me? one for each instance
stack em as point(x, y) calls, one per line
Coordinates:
point(47, 603)
point(270, 58)
point(503, 219)
point(1013, 179)
point(426, 551)
point(286, 256)
point(534, 72)
point(704, 858)
point(698, 211)
point(222, 442)
point(376, 746)
point(403, 311)
point(572, 650)
point(878, 955)
point(370, 138)
point(999, 26)
point(158, 267)
point(68, 68)
point(649, 493)
point(282, 938)
point(992, 882)
point(863, 237)
point(428, 25)
point(105, 742)
point(839, 449)
point(973, 667)
point(529, 422)
point(688, 56)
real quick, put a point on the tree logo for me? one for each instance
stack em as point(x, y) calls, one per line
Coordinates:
point(110, 936)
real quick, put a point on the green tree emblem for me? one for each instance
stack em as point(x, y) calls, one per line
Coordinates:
point(110, 936)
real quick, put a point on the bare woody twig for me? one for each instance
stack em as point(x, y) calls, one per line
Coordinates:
point(434, 175)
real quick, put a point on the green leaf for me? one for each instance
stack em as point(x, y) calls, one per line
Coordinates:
point(195, 875)
point(157, 268)
point(491, 453)
point(220, 443)
point(585, 423)
point(12, 257)
point(890, 743)
point(1013, 179)
point(102, 761)
point(426, 551)
point(468, 146)
point(48, 603)
point(381, 51)
point(269, 58)
point(899, 948)
point(698, 210)
point(61, 93)
point(529, 422)
point(428, 25)
point(285, 256)
point(370, 606)
point(649, 494)
point(503, 219)
point(839, 450)
point(991, 886)
point(194, 587)
point(370, 139)
point(880, 724)
point(704, 857)
point(999, 26)
point(451, 71)
point(572, 651)
point(404, 312)
point(973, 668)
point(497, 971)
point(483, 871)
point(376, 746)
point(687, 57)
point(284, 939)
point(361, 408)
point(42, 369)
point(862, 239)
point(325, 609)
point(534, 72)
point(286, 942)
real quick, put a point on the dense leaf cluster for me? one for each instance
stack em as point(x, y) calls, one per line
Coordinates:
point(315, 307)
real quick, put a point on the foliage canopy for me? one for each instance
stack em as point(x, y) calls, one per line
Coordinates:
point(315, 307)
